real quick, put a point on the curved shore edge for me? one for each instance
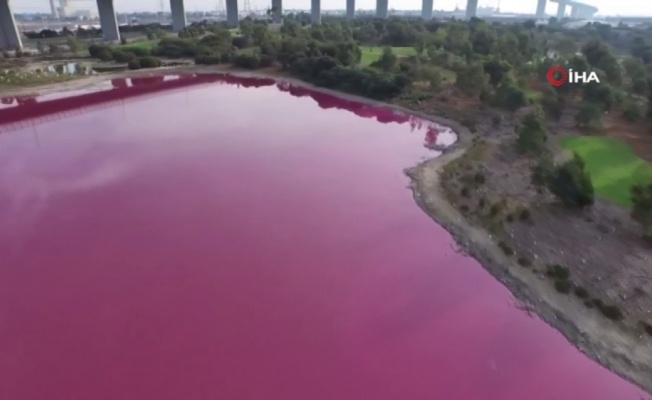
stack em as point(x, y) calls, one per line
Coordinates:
point(597, 338)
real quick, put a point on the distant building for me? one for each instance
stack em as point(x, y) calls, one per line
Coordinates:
point(67, 9)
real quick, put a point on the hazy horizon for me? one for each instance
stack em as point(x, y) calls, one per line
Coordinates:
point(606, 7)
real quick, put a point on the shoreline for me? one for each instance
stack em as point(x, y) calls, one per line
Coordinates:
point(599, 339)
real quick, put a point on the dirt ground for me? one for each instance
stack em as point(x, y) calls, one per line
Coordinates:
point(638, 135)
point(601, 247)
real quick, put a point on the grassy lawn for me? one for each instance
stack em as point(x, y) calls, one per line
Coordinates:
point(533, 94)
point(373, 53)
point(613, 166)
point(249, 50)
point(143, 44)
point(447, 75)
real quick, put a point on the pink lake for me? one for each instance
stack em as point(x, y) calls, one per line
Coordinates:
point(229, 238)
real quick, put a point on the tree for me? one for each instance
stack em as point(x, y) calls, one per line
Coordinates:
point(483, 40)
point(631, 111)
point(639, 86)
point(553, 103)
point(542, 171)
point(599, 94)
point(420, 45)
point(387, 61)
point(471, 78)
point(598, 55)
point(531, 133)
point(510, 97)
point(634, 67)
point(641, 196)
point(73, 44)
point(434, 77)
point(566, 47)
point(497, 70)
point(595, 51)
point(259, 34)
point(589, 116)
point(571, 183)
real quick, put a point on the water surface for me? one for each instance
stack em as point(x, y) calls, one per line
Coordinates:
point(237, 239)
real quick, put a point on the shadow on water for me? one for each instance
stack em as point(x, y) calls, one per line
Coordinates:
point(16, 110)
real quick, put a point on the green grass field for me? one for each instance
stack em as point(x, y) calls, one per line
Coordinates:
point(373, 53)
point(613, 166)
point(143, 44)
point(533, 94)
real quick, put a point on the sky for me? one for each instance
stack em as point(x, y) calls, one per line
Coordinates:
point(607, 7)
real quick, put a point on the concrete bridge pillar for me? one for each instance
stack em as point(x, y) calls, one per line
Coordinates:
point(315, 12)
point(426, 9)
point(471, 8)
point(9, 35)
point(381, 8)
point(561, 10)
point(350, 9)
point(277, 11)
point(232, 17)
point(108, 21)
point(575, 12)
point(178, 11)
point(541, 9)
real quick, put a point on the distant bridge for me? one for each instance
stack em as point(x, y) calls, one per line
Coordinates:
point(10, 37)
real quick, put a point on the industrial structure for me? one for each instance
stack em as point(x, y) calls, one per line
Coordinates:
point(578, 10)
point(10, 37)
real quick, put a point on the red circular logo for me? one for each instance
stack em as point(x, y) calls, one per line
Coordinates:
point(557, 75)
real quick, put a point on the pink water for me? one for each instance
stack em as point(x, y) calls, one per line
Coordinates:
point(228, 242)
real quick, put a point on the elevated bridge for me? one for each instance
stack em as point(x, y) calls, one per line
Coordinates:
point(10, 37)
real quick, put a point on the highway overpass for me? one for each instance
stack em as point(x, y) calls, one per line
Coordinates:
point(578, 10)
point(10, 37)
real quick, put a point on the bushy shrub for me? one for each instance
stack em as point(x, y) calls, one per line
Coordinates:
point(266, 61)
point(507, 249)
point(563, 286)
point(581, 292)
point(122, 57)
point(149, 62)
point(571, 183)
point(137, 51)
point(558, 272)
point(134, 64)
point(524, 261)
point(646, 327)
point(240, 42)
point(246, 61)
point(94, 50)
point(208, 60)
point(612, 312)
point(105, 55)
point(176, 48)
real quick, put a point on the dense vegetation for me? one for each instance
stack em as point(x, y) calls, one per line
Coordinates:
point(499, 66)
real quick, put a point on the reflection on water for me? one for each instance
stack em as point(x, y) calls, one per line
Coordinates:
point(437, 137)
